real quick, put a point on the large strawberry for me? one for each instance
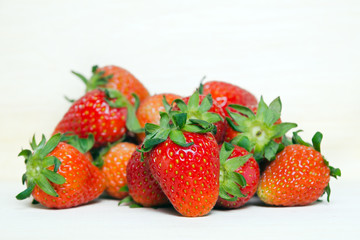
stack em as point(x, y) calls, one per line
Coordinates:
point(195, 109)
point(150, 108)
point(60, 176)
point(184, 160)
point(239, 176)
point(298, 176)
point(257, 132)
point(225, 93)
point(114, 161)
point(116, 78)
point(142, 186)
point(105, 113)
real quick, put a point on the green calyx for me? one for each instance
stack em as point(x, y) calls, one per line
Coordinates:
point(96, 80)
point(174, 123)
point(37, 164)
point(230, 180)
point(258, 131)
point(118, 100)
point(316, 142)
point(82, 144)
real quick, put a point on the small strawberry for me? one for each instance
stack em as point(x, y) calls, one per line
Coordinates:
point(114, 163)
point(239, 176)
point(115, 78)
point(197, 110)
point(149, 109)
point(298, 176)
point(257, 132)
point(103, 113)
point(184, 159)
point(225, 93)
point(60, 176)
point(142, 186)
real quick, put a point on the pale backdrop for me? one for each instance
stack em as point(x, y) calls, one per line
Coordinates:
point(307, 52)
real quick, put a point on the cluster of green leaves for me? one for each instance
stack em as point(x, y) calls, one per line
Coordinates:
point(258, 131)
point(192, 117)
point(96, 80)
point(230, 180)
point(37, 164)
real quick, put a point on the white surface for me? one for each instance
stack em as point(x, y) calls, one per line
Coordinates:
point(305, 51)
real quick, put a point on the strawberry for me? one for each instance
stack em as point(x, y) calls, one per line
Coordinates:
point(142, 186)
point(197, 111)
point(114, 165)
point(184, 158)
point(60, 176)
point(225, 93)
point(239, 176)
point(257, 132)
point(298, 176)
point(115, 78)
point(149, 109)
point(103, 113)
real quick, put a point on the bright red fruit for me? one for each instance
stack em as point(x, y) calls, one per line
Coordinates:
point(225, 93)
point(298, 176)
point(189, 176)
point(92, 114)
point(249, 169)
point(60, 176)
point(143, 188)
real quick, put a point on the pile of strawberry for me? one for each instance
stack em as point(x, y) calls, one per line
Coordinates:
point(215, 148)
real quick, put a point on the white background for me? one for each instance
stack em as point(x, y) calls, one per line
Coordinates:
point(307, 52)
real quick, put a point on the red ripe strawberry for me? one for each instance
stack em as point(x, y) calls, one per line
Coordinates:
point(149, 109)
point(101, 113)
point(258, 131)
point(60, 176)
point(189, 176)
point(226, 93)
point(142, 186)
point(298, 176)
point(115, 161)
point(196, 112)
point(239, 176)
point(116, 78)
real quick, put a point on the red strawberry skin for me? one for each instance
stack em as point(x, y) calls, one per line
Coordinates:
point(92, 114)
point(298, 176)
point(114, 168)
point(189, 176)
point(221, 126)
point(84, 181)
point(125, 82)
point(149, 109)
point(251, 172)
point(143, 188)
point(226, 93)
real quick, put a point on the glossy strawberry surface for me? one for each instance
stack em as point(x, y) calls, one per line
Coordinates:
point(125, 82)
point(189, 176)
point(251, 172)
point(225, 93)
point(143, 188)
point(92, 114)
point(114, 168)
point(298, 176)
point(84, 181)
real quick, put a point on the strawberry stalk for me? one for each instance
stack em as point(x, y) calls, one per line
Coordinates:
point(96, 80)
point(258, 131)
